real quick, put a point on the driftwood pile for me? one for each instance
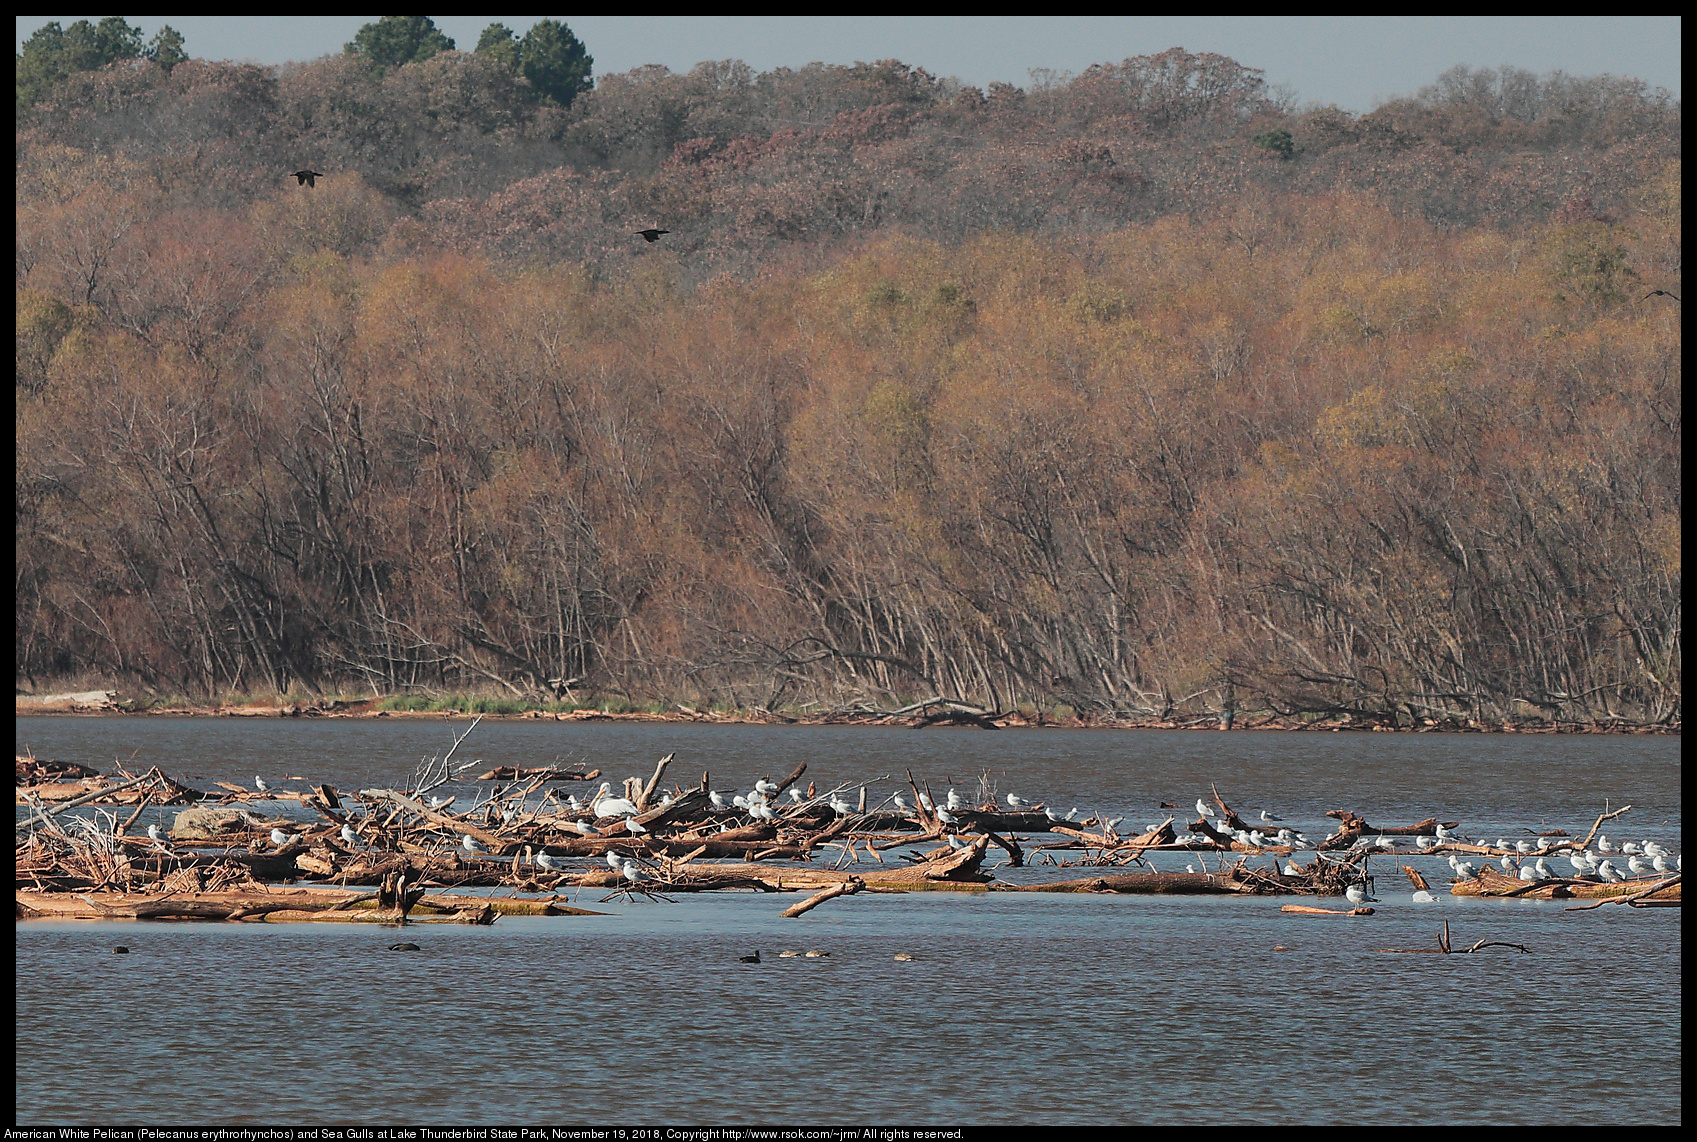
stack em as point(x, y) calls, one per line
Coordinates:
point(223, 859)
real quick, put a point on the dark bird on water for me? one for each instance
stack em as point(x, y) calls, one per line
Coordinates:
point(754, 959)
point(403, 947)
point(652, 234)
point(310, 178)
point(1646, 297)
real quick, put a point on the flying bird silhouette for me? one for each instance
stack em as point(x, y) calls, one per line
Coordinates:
point(652, 234)
point(1646, 297)
point(310, 178)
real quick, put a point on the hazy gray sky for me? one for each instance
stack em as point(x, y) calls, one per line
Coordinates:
point(1351, 62)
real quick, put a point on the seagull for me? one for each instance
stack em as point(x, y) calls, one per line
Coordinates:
point(1424, 843)
point(1292, 868)
point(1072, 814)
point(1578, 861)
point(471, 844)
point(261, 784)
point(900, 804)
point(349, 835)
point(1523, 846)
point(1631, 847)
point(280, 838)
point(1609, 872)
point(1638, 866)
point(1052, 815)
point(795, 796)
point(1544, 872)
point(955, 842)
point(571, 799)
point(1465, 870)
point(1445, 834)
point(157, 837)
point(633, 828)
point(718, 801)
point(615, 860)
point(1202, 808)
point(1266, 816)
point(740, 802)
point(765, 787)
point(441, 802)
point(581, 828)
point(1527, 872)
point(634, 874)
point(1386, 842)
point(544, 861)
point(1017, 802)
point(840, 807)
point(307, 177)
point(1424, 897)
point(1357, 895)
point(1604, 845)
point(759, 810)
point(925, 800)
point(945, 816)
point(653, 235)
point(1660, 863)
point(954, 800)
point(1507, 863)
point(1112, 821)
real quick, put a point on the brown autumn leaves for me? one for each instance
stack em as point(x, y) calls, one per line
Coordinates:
point(1302, 452)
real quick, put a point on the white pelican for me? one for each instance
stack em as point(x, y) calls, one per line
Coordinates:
point(608, 806)
point(633, 828)
point(261, 784)
point(280, 838)
point(1017, 802)
point(1357, 895)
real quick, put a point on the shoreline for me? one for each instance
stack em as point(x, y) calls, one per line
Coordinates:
point(97, 704)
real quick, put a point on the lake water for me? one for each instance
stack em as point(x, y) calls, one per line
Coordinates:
point(1019, 1008)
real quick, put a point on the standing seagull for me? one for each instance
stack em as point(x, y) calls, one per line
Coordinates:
point(280, 838)
point(1017, 802)
point(470, 844)
point(261, 784)
point(1202, 808)
point(349, 835)
point(308, 177)
point(651, 234)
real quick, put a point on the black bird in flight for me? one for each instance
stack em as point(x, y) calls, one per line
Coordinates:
point(1657, 293)
point(652, 234)
point(307, 178)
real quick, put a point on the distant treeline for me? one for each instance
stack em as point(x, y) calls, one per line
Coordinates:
point(1137, 391)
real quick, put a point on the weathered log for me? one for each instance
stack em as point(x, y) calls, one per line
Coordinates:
point(1306, 910)
point(847, 888)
